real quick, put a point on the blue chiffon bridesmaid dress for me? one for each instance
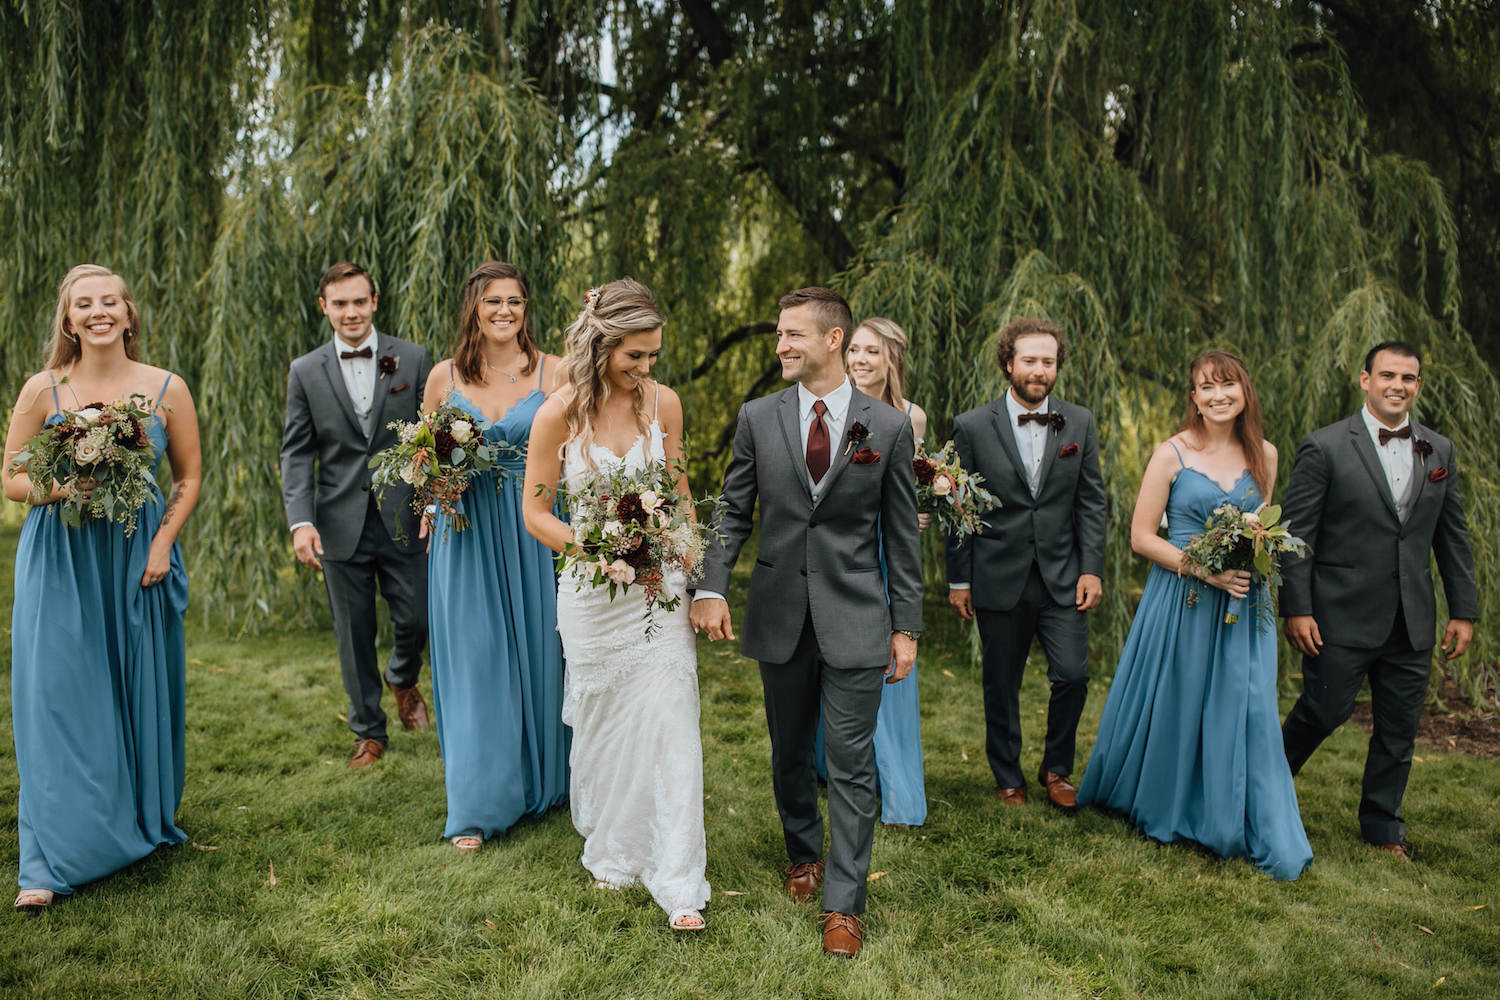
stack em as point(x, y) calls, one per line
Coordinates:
point(496, 655)
point(1189, 745)
point(98, 664)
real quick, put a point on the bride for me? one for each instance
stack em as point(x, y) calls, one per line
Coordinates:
point(637, 758)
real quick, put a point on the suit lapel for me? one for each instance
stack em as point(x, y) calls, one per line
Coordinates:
point(1418, 470)
point(1008, 443)
point(843, 449)
point(1365, 448)
point(1051, 442)
point(382, 390)
point(340, 391)
point(791, 431)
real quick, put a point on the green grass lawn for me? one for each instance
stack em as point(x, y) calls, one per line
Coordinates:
point(368, 901)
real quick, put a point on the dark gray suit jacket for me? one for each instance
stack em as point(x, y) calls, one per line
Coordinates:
point(1364, 559)
point(325, 455)
point(825, 558)
point(1061, 528)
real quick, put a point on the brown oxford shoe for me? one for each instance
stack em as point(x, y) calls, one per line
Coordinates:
point(411, 707)
point(366, 752)
point(1060, 791)
point(1400, 851)
point(843, 934)
point(1012, 796)
point(802, 880)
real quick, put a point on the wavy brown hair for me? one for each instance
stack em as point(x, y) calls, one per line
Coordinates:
point(893, 349)
point(468, 342)
point(64, 348)
point(610, 313)
point(1222, 366)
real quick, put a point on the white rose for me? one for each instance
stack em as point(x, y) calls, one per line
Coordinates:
point(88, 415)
point(942, 485)
point(461, 430)
point(620, 571)
point(414, 474)
point(650, 500)
point(87, 451)
point(1252, 518)
point(612, 529)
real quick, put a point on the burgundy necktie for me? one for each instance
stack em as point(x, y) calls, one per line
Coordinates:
point(363, 352)
point(817, 444)
point(1385, 435)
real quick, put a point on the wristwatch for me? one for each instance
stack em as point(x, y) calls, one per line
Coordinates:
point(913, 636)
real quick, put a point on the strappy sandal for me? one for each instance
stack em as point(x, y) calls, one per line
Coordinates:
point(467, 843)
point(686, 919)
point(33, 899)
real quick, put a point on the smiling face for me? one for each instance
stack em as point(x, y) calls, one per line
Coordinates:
point(631, 361)
point(808, 354)
point(867, 361)
point(1033, 369)
point(502, 310)
point(350, 306)
point(98, 313)
point(1220, 399)
point(1391, 385)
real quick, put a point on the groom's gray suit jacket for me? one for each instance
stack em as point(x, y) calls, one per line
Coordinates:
point(1364, 560)
point(1061, 529)
point(823, 558)
point(325, 451)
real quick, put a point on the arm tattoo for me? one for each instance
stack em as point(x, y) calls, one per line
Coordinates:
point(172, 500)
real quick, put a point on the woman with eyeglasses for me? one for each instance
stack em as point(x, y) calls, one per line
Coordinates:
point(492, 595)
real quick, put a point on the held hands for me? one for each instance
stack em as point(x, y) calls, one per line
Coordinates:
point(308, 545)
point(903, 657)
point(962, 601)
point(1457, 636)
point(1088, 593)
point(1302, 632)
point(711, 615)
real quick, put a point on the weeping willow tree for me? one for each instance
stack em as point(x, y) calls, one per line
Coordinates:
point(1160, 178)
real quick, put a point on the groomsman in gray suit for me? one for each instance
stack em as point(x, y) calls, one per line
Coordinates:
point(831, 468)
point(339, 399)
point(1036, 568)
point(1376, 497)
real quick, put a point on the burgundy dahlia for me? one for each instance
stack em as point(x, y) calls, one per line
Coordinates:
point(925, 470)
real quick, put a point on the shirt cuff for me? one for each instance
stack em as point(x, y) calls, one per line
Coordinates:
point(959, 586)
point(707, 595)
point(300, 524)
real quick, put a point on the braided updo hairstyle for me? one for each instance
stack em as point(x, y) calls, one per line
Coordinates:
point(610, 313)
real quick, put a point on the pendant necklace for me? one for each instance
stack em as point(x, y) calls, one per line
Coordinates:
point(497, 371)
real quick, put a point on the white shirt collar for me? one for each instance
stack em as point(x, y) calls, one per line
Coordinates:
point(1014, 408)
point(1375, 426)
point(837, 400)
point(372, 339)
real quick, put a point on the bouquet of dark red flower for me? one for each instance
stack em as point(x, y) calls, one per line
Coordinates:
point(633, 529)
point(102, 458)
point(1236, 539)
point(437, 455)
point(955, 497)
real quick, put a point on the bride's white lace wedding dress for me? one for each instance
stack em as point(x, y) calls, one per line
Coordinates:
point(637, 757)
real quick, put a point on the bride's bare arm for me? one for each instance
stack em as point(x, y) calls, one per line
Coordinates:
point(669, 416)
point(543, 470)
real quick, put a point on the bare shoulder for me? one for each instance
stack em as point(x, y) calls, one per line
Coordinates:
point(554, 373)
point(35, 391)
point(1268, 450)
point(667, 400)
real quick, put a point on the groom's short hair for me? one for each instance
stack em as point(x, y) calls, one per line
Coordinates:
point(338, 272)
point(828, 306)
point(1397, 347)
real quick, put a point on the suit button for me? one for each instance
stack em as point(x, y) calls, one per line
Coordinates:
point(365, 488)
point(803, 571)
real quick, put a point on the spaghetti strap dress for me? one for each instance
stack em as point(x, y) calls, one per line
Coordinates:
point(98, 664)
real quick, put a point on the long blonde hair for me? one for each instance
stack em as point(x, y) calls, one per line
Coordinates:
point(610, 313)
point(64, 348)
point(893, 350)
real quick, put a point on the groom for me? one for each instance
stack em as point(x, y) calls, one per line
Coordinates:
point(832, 470)
point(339, 399)
point(1376, 498)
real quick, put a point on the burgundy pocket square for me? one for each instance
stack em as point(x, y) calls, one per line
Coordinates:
point(1437, 475)
point(401, 388)
point(865, 457)
point(1068, 450)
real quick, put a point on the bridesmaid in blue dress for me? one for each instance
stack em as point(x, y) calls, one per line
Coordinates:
point(492, 593)
point(1189, 744)
point(98, 660)
point(876, 360)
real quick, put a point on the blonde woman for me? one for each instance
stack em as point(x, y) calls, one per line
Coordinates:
point(637, 758)
point(97, 652)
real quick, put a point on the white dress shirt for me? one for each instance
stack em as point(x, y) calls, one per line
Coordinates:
point(1395, 458)
point(1031, 437)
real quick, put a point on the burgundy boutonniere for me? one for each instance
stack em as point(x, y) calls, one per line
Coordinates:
point(1068, 450)
point(857, 434)
point(1058, 421)
point(865, 457)
point(1422, 447)
point(386, 366)
point(401, 388)
point(1437, 475)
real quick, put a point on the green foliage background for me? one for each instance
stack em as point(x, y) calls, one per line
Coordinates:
point(1161, 179)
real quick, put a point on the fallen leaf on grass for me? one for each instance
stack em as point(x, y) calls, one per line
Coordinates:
point(195, 663)
point(1425, 930)
point(1479, 907)
point(963, 754)
point(204, 847)
point(1374, 941)
point(731, 892)
point(1418, 760)
point(273, 872)
point(341, 717)
point(874, 875)
point(490, 924)
point(1440, 981)
point(949, 673)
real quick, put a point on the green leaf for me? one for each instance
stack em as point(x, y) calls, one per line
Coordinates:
point(1270, 514)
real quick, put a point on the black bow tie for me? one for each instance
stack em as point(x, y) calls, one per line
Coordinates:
point(1403, 433)
point(363, 352)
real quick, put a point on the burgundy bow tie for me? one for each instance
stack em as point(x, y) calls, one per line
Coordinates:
point(1052, 419)
point(1403, 433)
point(363, 352)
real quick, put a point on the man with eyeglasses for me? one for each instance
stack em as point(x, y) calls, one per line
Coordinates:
point(340, 399)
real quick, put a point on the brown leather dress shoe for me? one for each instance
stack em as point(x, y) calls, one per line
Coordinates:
point(802, 880)
point(1060, 791)
point(411, 707)
point(366, 752)
point(843, 934)
point(1401, 851)
point(1012, 796)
